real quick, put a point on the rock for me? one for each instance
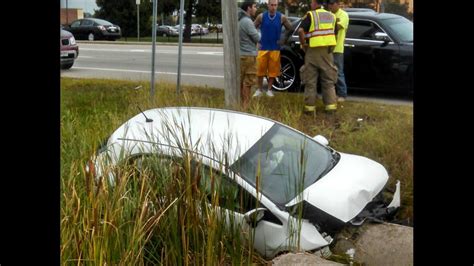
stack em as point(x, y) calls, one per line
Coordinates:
point(377, 244)
point(302, 259)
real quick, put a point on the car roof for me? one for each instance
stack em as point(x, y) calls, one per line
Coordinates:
point(98, 20)
point(370, 15)
point(217, 131)
point(356, 9)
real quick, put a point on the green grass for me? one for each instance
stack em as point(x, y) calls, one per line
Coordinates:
point(129, 224)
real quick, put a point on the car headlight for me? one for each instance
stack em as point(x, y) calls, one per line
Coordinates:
point(72, 41)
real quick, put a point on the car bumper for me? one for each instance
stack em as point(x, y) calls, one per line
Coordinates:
point(115, 35)
point(68, 56)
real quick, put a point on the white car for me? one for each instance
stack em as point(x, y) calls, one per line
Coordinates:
point(289, 167)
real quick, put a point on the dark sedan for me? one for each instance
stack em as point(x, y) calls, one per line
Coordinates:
point(94, 29)
point(378, 54)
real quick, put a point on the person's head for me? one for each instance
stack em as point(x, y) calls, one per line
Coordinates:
point(333, 5)
point(315, 4)
point(272, 6)
point(250, 7)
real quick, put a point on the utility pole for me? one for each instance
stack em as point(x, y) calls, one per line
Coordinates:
point(138, 20)
point(153, 34)
point(180, 44)
point(67, 21)
point(231, 41)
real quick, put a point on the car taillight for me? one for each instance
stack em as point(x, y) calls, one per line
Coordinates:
point(101, 27)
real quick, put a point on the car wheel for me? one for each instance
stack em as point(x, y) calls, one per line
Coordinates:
point(91, 36)
point(289, 80)
point(67, 66)
point(164, 34)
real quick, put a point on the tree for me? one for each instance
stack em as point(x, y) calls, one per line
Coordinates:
point(124, 14)
point(120, 12)
point(188, 20)
point(209, 9)
point(395, 7)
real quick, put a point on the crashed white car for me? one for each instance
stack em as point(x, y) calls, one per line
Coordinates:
point(271, 163)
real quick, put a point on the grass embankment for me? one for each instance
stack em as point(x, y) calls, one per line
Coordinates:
point(130, 224)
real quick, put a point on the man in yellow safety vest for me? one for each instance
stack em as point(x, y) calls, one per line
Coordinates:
point(317, 39)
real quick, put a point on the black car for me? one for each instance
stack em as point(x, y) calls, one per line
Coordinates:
point(94, 29)
point(378, 54)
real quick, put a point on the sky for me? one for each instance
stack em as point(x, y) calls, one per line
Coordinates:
point(87, 5)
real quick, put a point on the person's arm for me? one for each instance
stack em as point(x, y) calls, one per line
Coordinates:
point(286, 22)
point(288, 28)
point(302, 38)
point(251, 31)
point(258, 21)
point(304, 27)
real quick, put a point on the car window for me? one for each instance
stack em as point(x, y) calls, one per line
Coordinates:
point(229, 194)
point(75, 24)
point(284, 162)
point(87, 23)
point(401, 27)
point(362, 29)
point(103, 22)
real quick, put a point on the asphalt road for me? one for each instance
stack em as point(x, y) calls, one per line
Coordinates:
point(201, 66)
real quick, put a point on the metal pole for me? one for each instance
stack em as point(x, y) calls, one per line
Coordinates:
point(153, 34)
point(67, 11)
point(181, 17)
point(138, 22)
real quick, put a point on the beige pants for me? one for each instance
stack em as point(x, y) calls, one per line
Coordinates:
point(248, 77)
point(319, 62)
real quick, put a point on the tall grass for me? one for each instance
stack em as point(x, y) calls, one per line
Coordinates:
point(132, 223)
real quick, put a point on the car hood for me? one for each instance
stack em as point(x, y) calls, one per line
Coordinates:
point(345, 190)
point(65, 34)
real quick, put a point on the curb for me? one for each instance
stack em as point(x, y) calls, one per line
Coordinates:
point(149, 43)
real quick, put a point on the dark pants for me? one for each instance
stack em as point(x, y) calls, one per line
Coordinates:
point(341, 87)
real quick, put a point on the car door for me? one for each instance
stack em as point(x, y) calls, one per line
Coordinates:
point(87, 26)
point(370, 63)
point(75, 29)
point(269, 234)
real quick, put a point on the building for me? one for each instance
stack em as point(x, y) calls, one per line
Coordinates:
point(71, 14)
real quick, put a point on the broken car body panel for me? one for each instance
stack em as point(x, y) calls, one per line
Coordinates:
point(347, 188)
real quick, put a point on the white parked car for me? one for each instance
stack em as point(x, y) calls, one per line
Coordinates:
point(267, 162)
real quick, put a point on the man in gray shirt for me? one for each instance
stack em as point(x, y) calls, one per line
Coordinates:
point(249, 37)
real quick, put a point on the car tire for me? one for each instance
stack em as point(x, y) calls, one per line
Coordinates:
point(91, 37)
point(67, 66)
point(164, 34)
point(289, 80)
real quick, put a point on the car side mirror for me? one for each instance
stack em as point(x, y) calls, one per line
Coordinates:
point(254, 216)
point(382, 36)
point(321, 140)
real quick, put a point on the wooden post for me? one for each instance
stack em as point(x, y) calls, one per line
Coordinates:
point(231, 42)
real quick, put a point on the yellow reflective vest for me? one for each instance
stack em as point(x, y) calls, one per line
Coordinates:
point(321, 31)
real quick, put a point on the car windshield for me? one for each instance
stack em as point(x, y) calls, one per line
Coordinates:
point(401, 27)
point(286, 162)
